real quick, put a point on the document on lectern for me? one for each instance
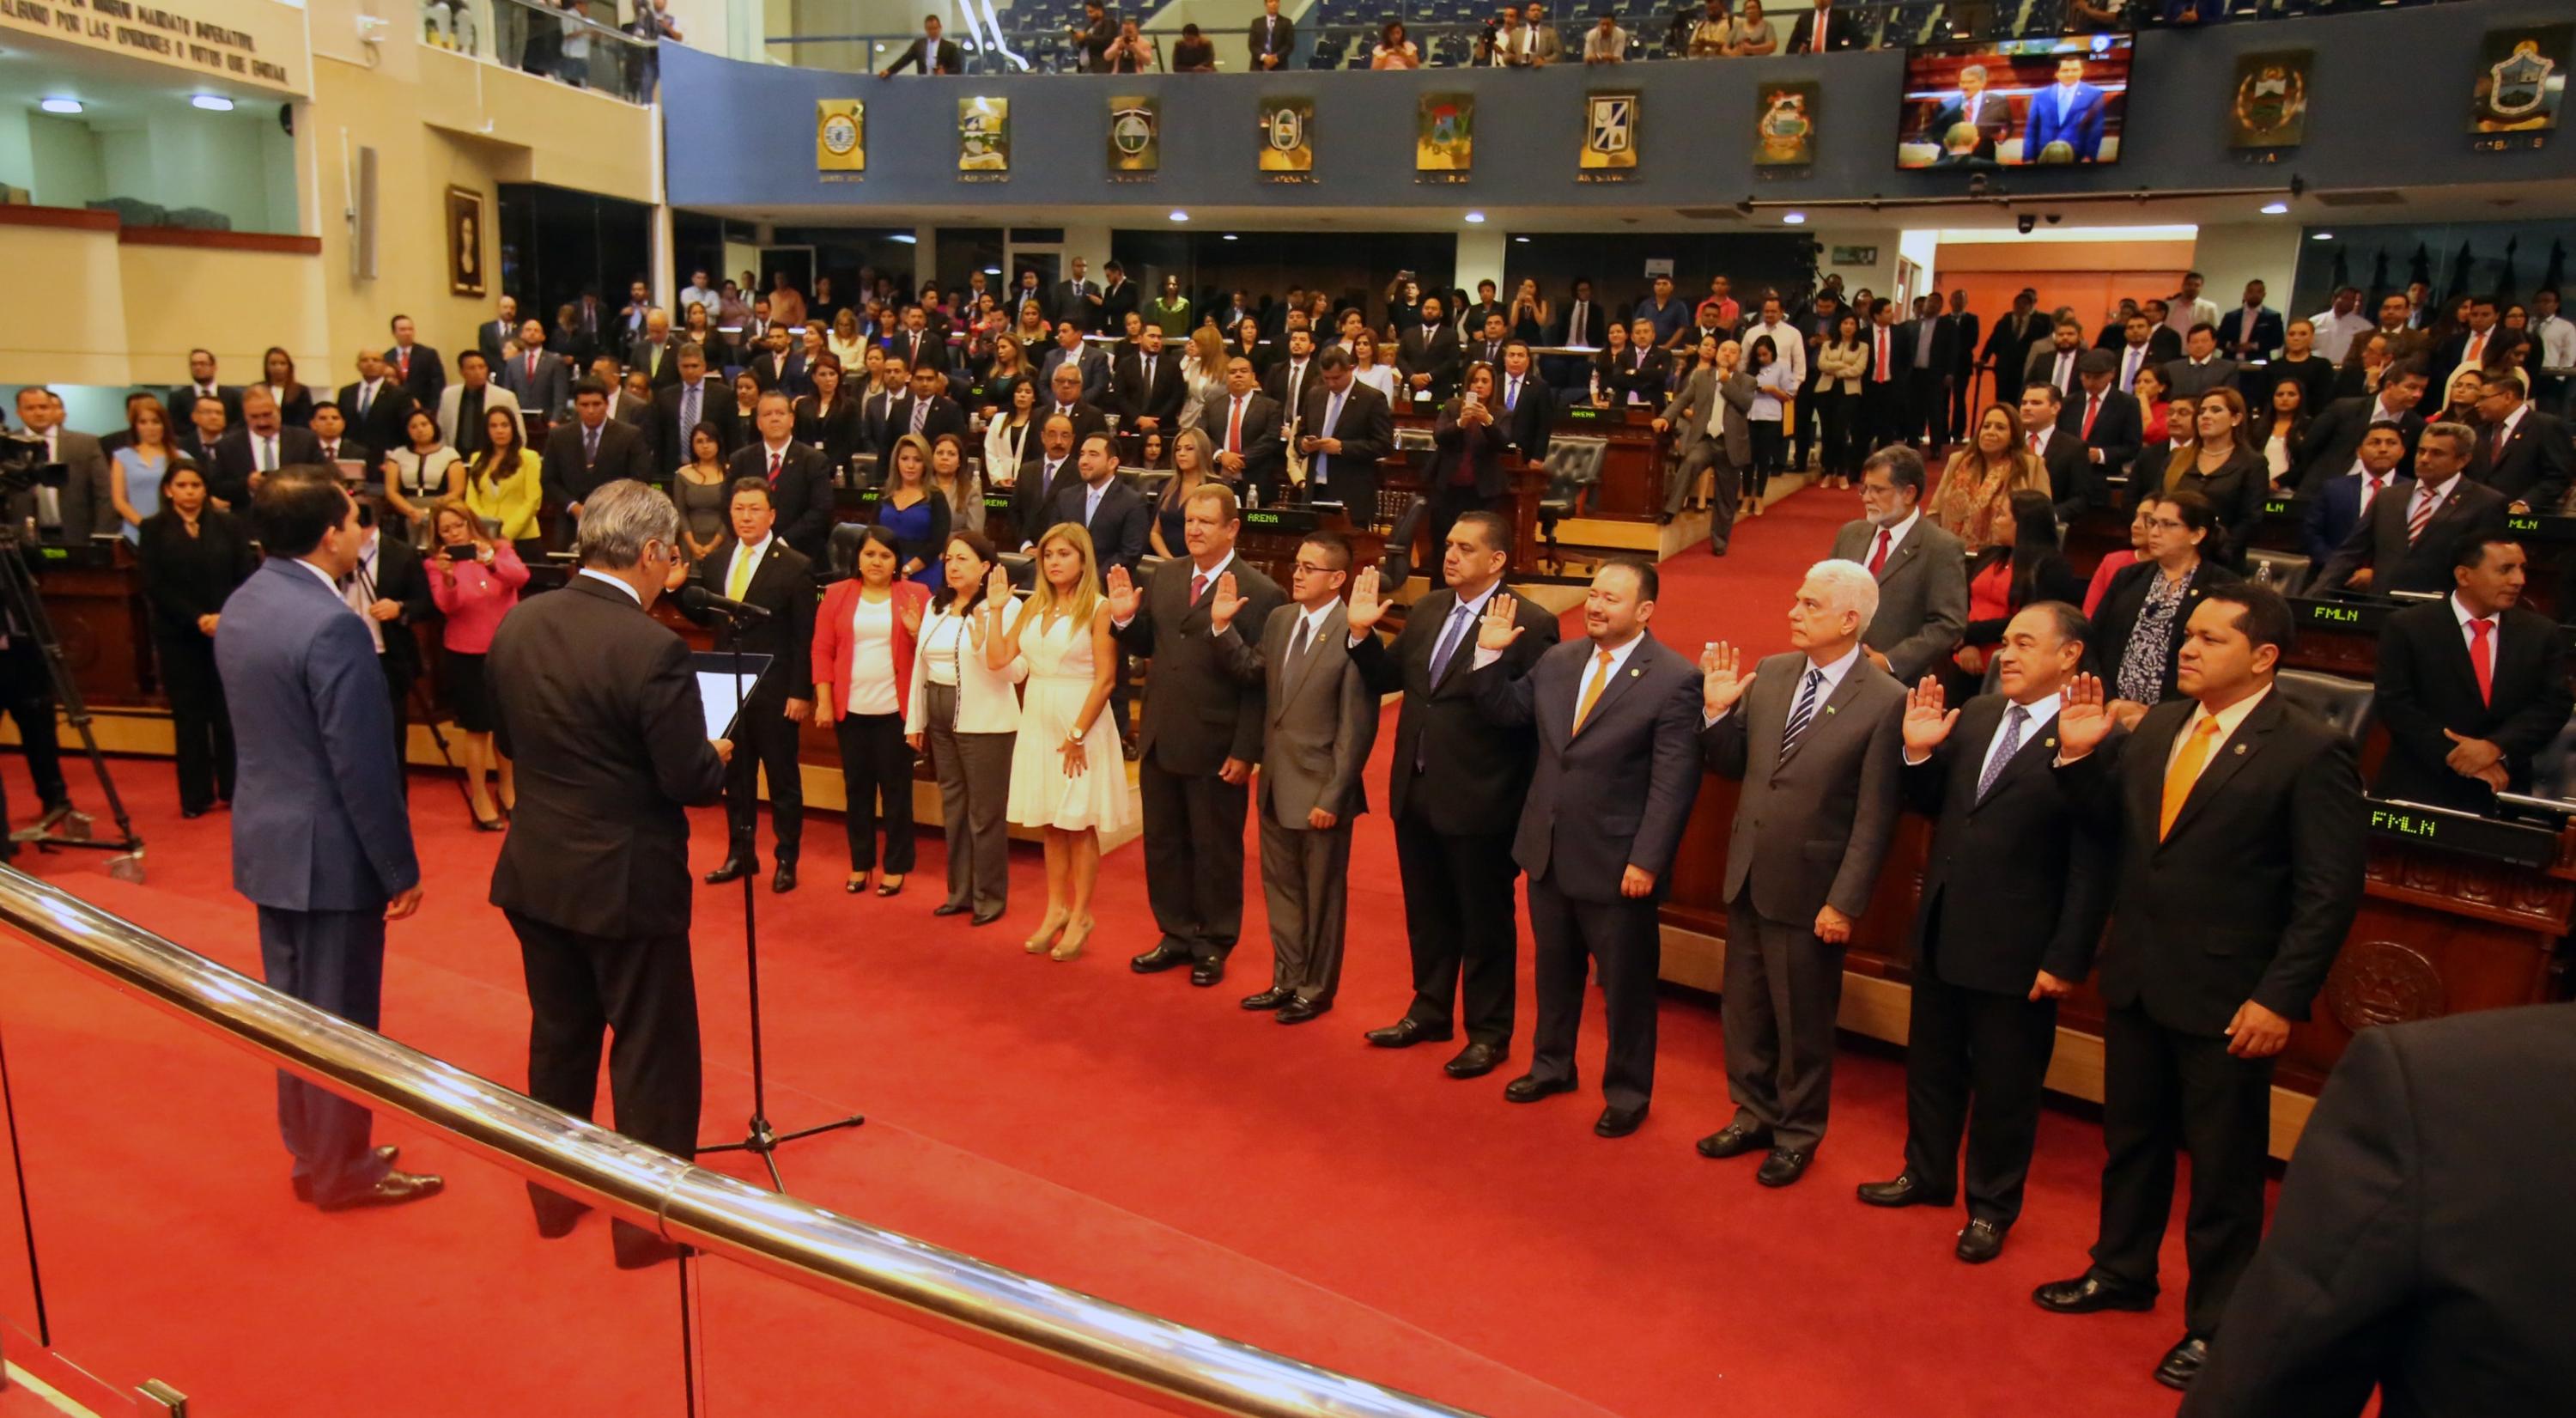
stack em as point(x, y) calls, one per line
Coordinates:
point(721, 691)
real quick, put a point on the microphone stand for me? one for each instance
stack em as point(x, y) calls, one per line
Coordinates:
point(759, 1139)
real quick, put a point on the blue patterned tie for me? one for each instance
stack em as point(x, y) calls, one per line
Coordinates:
point(1799, 716)
point(1450, 635)
point(2003, 752)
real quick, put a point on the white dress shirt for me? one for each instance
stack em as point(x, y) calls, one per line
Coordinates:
point(2469, 638)
point(2229, 720)
point(631, 593)
point(2335, 333)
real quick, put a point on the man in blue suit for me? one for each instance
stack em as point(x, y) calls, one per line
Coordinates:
point(2341, 502)
point(320, 840)
point(2068, 111)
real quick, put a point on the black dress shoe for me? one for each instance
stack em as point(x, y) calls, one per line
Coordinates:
point(734, 869)
point(1159, 959)
point(1298, 1011)
point(2182, 1362)
point(1271, 998)
point(949, 908)
point(193, 813)
point(1407, 1032)
point(1981, 1241)
point(985, 918)
point(784, 879)
point(1734, 1140)
point(1476, 1060)
point(1529, 1088)
point(2093, 1290)
point(391, 1189)
point(1207, 972)
point(1619, 1122)
point(1784, 1165)
point(384, 1154)
point(1906, 1190)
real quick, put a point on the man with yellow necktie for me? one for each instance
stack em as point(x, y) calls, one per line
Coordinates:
point(1617, 720)
point(2240, 869)
point(759, 568)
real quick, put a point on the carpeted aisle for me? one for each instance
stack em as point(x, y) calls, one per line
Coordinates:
point(1132, 1137)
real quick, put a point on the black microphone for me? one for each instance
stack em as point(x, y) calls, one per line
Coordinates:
point(698, 600)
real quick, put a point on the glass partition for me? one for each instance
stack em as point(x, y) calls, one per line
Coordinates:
point(578, 42)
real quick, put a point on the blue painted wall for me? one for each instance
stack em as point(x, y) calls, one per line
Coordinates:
point(2388, 109)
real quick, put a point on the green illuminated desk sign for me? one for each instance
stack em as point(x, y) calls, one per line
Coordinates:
point(2280, 506)
point(1295, 521)
point(1583, 414)
point(2539, 528)
point(2352, 617)
point(997, 502)
point(2466, 833)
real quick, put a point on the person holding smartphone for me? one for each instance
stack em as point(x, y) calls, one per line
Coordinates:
point(475, 582)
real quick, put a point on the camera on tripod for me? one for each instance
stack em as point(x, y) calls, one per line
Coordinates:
point(23, 467)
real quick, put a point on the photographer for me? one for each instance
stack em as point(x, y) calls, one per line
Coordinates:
point(475, 582)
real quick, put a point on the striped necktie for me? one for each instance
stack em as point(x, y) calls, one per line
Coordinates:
point(1798, 717)
point(2420, 515)
point(2004, 751)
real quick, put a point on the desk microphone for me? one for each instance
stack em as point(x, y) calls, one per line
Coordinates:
point(698, 600)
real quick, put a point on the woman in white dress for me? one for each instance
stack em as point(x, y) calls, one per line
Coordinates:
point(1067, 774)
point(1368, 369)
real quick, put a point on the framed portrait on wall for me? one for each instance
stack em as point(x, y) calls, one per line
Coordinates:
point(464, 241)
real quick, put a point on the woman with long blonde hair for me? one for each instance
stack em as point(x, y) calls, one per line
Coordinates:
point(1067, 774)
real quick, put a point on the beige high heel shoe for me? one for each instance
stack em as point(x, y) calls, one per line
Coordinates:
point(1071, 945)
point(1055, 921)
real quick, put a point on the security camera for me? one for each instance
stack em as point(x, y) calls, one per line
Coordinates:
point(2054, 218)
point(2024, 223)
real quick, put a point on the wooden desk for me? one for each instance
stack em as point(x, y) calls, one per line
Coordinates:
point(2440, 932)
point(103, 623)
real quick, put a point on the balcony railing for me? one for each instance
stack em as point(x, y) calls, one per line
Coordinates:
point(576, 43)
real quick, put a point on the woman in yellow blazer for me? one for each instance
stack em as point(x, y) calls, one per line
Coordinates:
point(504, 485)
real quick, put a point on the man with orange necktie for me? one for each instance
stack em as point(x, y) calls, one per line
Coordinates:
point(2240, 870)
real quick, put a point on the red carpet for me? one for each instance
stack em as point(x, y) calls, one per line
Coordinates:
point(1133, 1137)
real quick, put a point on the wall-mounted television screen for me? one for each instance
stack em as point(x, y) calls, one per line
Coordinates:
point(2015, 103)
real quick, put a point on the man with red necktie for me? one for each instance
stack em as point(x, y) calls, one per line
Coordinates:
point(1921, 570)
point(2470, 687)
point(416, 366)
point(1246, 424)
point(2106, 421)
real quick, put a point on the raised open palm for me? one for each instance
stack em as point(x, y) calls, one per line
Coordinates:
point(1723, 678)
point(2083, 717)
point(1367, 606)
point(1499, 626)
point(1122, 594)
point(1926, 725)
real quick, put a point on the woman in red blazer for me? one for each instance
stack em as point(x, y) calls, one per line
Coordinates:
point(863, 649)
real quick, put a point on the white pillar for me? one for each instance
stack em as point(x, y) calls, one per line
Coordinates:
point(1480, 258)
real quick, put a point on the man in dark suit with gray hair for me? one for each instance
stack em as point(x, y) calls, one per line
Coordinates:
point(594, 876)
point(1617, 770)
point(1818, 749)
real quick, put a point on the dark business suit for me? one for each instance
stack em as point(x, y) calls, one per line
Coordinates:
point(1271, 35)
point(1527, 414)
point(1464, 472)
point(671, 431)
point(1118, 526)
point(577, 462)
point(2119, 430)
point(1159, 398)
point(2425, 685)
point(1431, 350)
point(2423, 564)
point(2015, 883)
point(236, 460)
point(491, 335)
point(2264, 331)
point(764, 737)
point(1922, 593)
point(1033, 492)
point(1257, 432)
point(545, 393)
point(1366, 428)
point(2335, 509)
point(1070, 299)
point(2248, 897)
point(320, 841)
point(1090, 363)
point(1811, 830)
point(1319, 720)
point(2068, 461)
point(186, 577)
point(2531, 465)
point(660, 360)
point(835, 431)
point(2007, 347)
point(782, 372)
point(1197, 716)
point(1610, 795)
point(395, 574)
point(801, 492)
point(1927, 376)
point(596, 697)
point(2115, 621)
point(919, 347)
point(1455, 786)
point(944, 59)
point(2190, 380)
point(182, 401)
point(942, 416)
point(2418, 1245)
point(419, 371)
point(1286, 384)
point(2334, 441)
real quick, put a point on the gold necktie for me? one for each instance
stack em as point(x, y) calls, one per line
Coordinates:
point(1591, 691)
point(738, 579)
point(2185, 772)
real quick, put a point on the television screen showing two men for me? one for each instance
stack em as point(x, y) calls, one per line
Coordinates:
point(2015, 103)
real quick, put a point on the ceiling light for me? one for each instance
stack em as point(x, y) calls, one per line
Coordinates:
point(2274, 209)
point(2321, 236)
point(992, 270)
point(212, 103)
point(1475, 219)
point(60, 105)
point(905, 238)
point(1794, 218)
point(1230, 236)
point(1523, 240)
point(1180, 216)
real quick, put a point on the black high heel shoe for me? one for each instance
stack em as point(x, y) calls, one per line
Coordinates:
point(491, 824)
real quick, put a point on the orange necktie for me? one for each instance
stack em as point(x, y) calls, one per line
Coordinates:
point(1592, 691)
point(2185, 772)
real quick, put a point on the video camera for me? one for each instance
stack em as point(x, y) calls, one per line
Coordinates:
point(23, 467)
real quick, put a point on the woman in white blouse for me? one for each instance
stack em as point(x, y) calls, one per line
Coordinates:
point(1368, 369)
point(421, 474)
point(863, 665)
point(1012, 433)
point(967, 714)
point(1203, 371)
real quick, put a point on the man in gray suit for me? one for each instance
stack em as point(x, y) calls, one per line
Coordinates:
point(1319, 720)
point(2202, 367)
point(1921, 570)
point(1817, 747)
point(1707, 422)
point(83, 504)
point(1615, 715)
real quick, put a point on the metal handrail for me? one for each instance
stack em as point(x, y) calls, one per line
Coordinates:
point(1095, 1341)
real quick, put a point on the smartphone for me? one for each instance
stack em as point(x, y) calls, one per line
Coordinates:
point(457, 551)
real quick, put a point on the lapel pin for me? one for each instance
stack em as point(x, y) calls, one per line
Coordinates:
point(2240, 750)
point(1829, 711)
point(2048, 743)
point(1632, 674)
